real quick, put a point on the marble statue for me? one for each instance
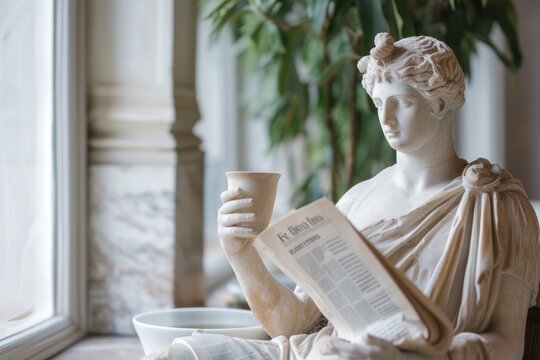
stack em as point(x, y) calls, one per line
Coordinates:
point(463, 232)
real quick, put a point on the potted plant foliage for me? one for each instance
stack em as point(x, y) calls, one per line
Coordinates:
point(302, 54)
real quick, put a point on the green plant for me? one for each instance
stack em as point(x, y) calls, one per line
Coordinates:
point(300, 60)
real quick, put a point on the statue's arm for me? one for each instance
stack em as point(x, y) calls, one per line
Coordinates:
point(278, 309)
point(506, 335)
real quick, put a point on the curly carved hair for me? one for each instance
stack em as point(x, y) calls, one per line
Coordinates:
point(423, 62)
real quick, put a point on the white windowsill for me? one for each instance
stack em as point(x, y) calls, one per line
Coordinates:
point(103, 348)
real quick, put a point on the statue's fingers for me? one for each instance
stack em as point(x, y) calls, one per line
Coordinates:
point(235, 205)
point(377, 341)
point(235, 218)
point(237, 232)
point(230, 194)
point(348, 350)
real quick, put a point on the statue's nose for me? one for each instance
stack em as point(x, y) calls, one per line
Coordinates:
point(387, 114)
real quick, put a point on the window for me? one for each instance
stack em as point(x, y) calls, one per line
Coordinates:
point(42, 169)
point(26, 165)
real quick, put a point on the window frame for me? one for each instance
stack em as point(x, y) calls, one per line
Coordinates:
point(68, 323)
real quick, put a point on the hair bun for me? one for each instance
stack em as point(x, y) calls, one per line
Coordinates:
point(362, 64)
point(384, 46)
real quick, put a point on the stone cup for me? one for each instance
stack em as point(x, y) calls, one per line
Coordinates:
point(262, 187)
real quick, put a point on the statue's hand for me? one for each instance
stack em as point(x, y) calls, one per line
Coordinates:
point(234, 220)
point(369, 347)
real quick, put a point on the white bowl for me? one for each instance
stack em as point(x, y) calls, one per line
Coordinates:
point(159, 328)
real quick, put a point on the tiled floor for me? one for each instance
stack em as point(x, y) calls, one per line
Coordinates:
point(103, 348)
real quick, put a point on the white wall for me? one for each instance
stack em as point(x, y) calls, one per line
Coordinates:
point(522, 105)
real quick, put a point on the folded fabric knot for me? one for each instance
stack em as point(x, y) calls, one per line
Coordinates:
point(482, 176)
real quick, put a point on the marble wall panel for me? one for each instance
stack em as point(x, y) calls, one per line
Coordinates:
point(131, 243)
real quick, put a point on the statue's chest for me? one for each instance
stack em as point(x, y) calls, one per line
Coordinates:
point(412, 244)
point(385, 202)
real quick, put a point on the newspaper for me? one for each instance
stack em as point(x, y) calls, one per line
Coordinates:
point(352, 284)
point(220, 347)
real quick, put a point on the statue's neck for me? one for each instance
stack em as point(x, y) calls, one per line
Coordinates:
point(418, 175)
point(435, 164)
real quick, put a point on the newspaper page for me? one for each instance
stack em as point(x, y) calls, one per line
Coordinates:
point(220, 347)
point(320, 250)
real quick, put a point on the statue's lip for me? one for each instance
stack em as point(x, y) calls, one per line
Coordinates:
point(392, 132)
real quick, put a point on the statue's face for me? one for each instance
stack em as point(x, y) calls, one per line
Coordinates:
point(405, 116)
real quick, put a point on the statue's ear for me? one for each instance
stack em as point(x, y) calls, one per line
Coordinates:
point(443, 108)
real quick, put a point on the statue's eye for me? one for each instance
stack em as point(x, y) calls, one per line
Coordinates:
point(404, 103)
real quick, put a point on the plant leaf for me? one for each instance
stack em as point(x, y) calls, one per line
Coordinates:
point(405, 10)
point(330, 71)
point(317, 12)
point(372, 21)
point(399, 19)
point(215, 12)
point(504, 14)
point(339, 17)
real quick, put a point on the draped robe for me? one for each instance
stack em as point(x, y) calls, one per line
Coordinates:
point(454, 247)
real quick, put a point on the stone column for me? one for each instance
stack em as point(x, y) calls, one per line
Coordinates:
point(140, 133)
point(188, 270)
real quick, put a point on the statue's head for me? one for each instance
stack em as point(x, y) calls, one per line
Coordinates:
point(425, 63)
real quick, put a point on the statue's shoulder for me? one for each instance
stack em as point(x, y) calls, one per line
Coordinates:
point(361, 189)
point(481, 175)
point(511, 203)
point(510, 218)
